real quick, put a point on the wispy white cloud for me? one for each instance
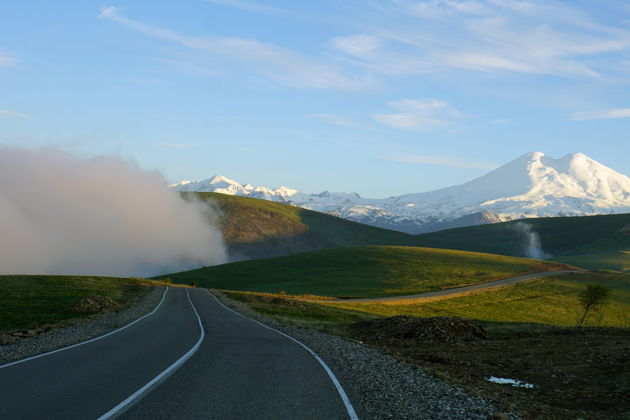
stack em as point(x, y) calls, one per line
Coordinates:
point(500, 121)
point(13, 114)
point(252, 7)
point(443, 161)
point(6, 60)
point(420, 113)
point(283, 65)
point(603, 114)
point(528, 36)
point(338, 120)
point(433, 9)
point(362, 46)
point(179, 146)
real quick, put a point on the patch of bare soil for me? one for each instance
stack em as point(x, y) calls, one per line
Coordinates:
point(443, 329)
point(93, 303)
point(576, 373)
point(8, 337)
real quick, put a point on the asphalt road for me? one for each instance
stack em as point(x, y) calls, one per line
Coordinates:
point(86, 381)
point(457, 291)
point(240, 370)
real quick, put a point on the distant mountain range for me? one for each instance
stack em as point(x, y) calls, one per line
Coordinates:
point(534, 185)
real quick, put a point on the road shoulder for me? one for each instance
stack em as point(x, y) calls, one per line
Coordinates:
point(379, 385)
point(91, 328)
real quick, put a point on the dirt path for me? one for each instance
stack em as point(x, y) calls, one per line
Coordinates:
point(458, 291)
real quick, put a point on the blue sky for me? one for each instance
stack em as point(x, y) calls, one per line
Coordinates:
point(378, 97)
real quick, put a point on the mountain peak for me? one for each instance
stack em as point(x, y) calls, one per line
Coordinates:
point(528, 157)
point(533, 185)
point(220, 178)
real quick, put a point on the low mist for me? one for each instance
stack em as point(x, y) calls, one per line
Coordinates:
point(64, 214)
point(533, 247)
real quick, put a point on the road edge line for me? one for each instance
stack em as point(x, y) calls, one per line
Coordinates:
point(126, 404)
point(342, 393)
point(37, 356)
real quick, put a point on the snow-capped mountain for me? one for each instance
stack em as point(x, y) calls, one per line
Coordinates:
point(223, 185)
point(534, 185)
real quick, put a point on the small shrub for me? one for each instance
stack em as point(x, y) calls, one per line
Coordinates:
point(593, 297)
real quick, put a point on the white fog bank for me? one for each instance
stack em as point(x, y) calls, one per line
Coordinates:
point(64, 214)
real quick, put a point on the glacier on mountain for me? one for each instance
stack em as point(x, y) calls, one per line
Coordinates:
point(533, 185)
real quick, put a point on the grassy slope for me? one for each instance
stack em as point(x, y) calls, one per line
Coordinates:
point(616, 261)
point(259, 228)
point(359, 271)
point(30, 301)
point(551, 301)
point(559, 236)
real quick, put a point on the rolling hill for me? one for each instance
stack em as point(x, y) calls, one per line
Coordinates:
point(611, 261)
point(361, 271)
point(533, 185)
point(255, 228)
point(559, 236)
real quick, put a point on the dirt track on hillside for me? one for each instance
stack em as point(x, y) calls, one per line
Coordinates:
point(458, 291)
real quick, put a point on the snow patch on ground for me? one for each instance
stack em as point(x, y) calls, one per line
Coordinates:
point(508, 381)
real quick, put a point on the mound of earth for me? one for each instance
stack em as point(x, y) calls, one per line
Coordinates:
point(442, 329)
point(94, 303)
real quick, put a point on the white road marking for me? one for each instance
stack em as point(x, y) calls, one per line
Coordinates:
point(344, 397)
point(165, 373)
point(88, 341)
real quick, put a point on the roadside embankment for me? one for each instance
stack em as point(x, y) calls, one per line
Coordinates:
point(92, 327)
point(381, 387)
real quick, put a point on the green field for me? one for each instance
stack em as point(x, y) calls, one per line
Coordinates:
point(614, 261)
point(560, 236)
point(360, 271)
point(548, 301)
point(31, 301)
point(551, 300)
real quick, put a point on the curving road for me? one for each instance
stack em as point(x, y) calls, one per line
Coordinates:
point(243, 371)
point(457, 291)
point(191, 358)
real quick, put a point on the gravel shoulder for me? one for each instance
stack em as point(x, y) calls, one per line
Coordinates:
point(381, 387)
point(85, 330)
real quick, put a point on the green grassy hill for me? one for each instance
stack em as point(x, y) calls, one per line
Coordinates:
point(560, 236)
point(549, 300)
point(32, 301)
point(256, 228)
point(361, 271)
point(613, 261)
